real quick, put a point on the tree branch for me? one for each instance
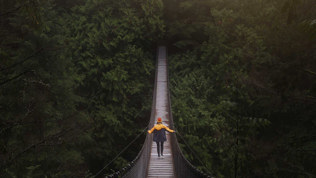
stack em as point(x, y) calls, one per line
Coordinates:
point(24, 60)
point(15, 77)
point(309, 71)
point(14, 9)
point(35, 145)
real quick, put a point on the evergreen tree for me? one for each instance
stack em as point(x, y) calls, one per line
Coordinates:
point(244, 95)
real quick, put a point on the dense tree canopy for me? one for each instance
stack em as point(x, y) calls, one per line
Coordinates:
point(76, 80)
point(247, 68)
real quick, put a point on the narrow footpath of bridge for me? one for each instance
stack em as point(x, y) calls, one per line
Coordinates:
point(161, 167)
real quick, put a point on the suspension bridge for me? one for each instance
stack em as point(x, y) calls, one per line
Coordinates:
point(147, 164)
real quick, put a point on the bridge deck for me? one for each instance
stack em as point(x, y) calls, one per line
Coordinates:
point(161, 167)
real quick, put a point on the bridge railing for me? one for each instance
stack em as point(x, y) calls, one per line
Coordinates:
point(140, 163)
point(182, 167)
point(139, 166)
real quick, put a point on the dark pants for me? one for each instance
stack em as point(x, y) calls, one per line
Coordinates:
point(160, 145)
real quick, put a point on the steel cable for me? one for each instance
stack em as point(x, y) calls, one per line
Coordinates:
point(192, 151)
point(145, 129)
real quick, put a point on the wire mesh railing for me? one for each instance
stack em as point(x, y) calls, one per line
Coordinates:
point(182, 167)
point(139, 166)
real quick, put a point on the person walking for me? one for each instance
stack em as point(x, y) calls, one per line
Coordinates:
point(160, 135)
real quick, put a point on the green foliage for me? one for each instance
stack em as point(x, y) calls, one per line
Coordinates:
point(75, 83)
point(242, 96)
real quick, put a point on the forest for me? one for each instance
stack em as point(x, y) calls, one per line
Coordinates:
point(77, 78)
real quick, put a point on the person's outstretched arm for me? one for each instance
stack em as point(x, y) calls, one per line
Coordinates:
point(169, 130)
point(151, 130)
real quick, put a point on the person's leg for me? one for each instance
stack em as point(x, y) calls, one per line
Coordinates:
point(158, 149)
point(161, 148)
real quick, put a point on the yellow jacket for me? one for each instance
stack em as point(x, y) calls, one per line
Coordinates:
point(159, 127)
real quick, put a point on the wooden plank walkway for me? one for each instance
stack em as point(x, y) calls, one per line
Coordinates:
point(161, 167)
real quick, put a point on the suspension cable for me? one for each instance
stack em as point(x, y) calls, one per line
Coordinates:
point(198, 158)
point(145, 129)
